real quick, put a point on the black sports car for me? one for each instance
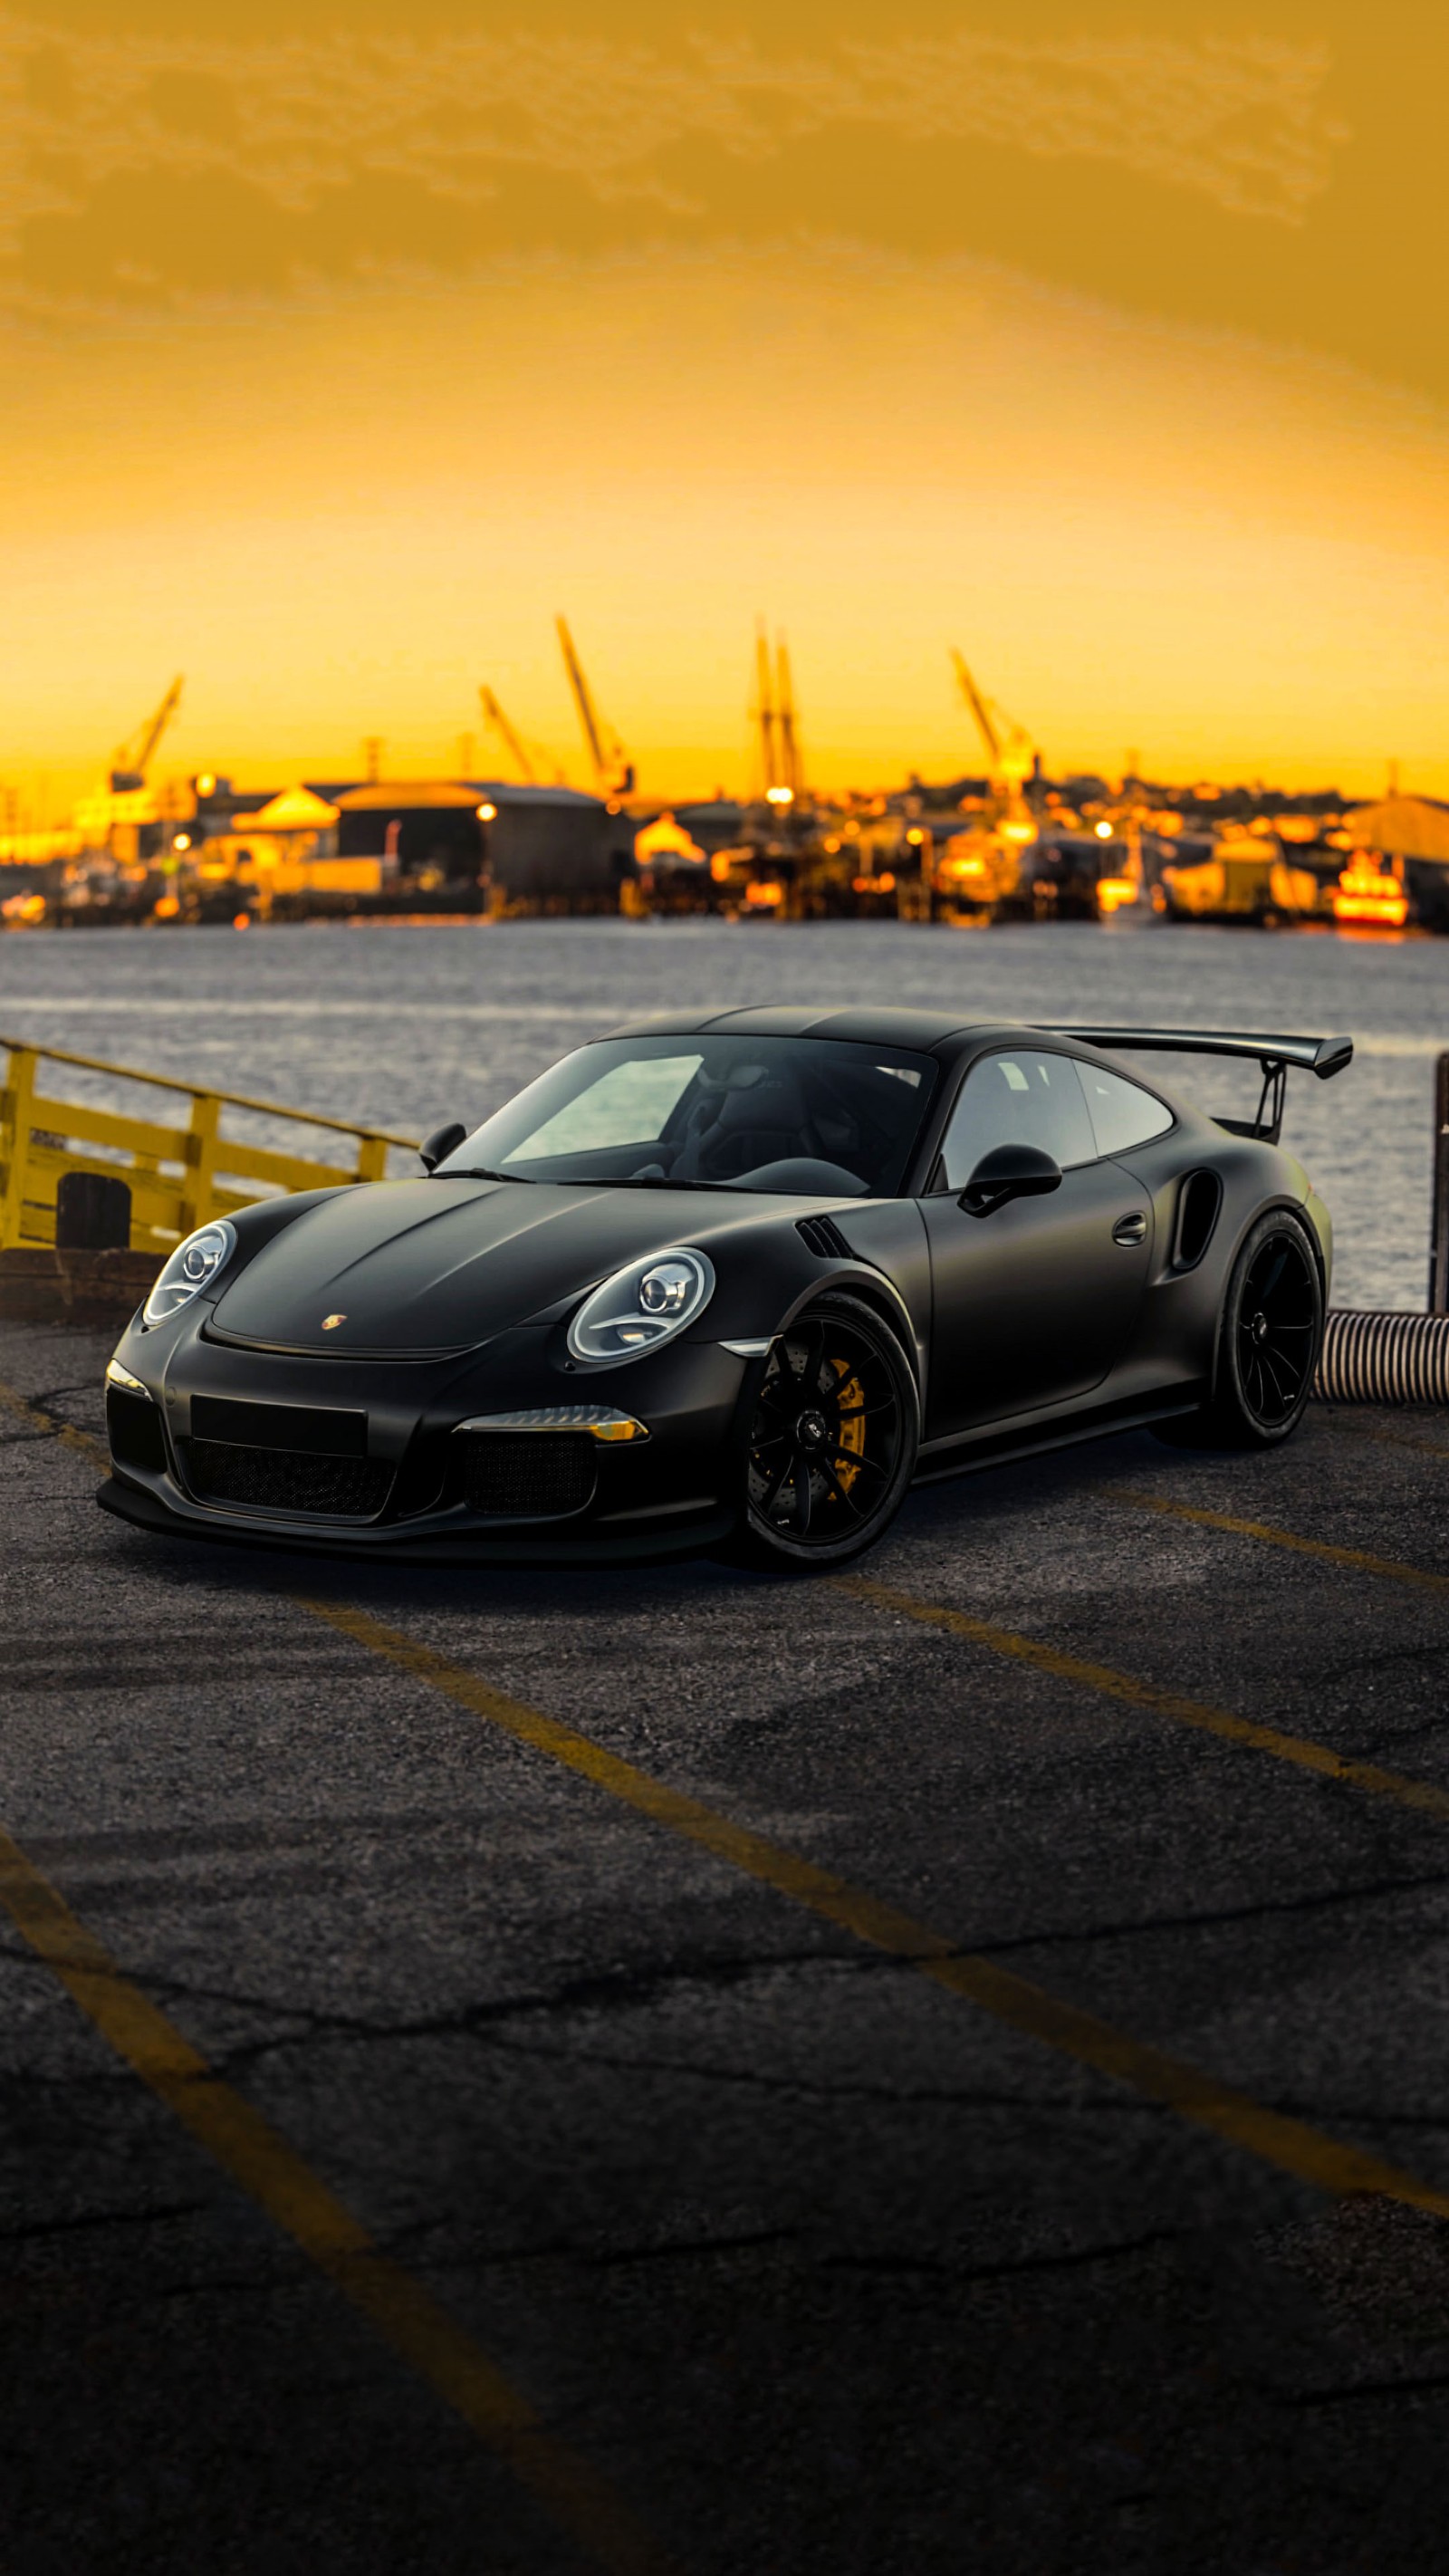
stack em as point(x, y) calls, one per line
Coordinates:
point(733, 1280)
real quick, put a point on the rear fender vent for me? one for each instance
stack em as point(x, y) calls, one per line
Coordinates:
point(1198, 1202)
point(823, 1237)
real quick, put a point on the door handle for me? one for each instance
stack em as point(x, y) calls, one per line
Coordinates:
point(1131, 1229)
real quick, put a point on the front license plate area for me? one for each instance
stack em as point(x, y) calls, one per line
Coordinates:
point(320, 1431)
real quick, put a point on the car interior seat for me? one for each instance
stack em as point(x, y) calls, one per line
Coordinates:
point(743, 1123)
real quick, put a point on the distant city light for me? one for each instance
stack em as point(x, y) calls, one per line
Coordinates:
point(487, 813)
point(182, 841)
point(1103, 831)
point(1113, 892)
point(780, 795)
point(206, 784)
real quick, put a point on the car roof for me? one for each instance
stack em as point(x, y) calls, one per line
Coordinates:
point(923, 1030)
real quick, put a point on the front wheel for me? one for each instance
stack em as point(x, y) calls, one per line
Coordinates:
point(832, 1445)
point(1269, 1337)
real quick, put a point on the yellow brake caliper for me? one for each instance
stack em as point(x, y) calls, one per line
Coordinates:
point(851, 1400)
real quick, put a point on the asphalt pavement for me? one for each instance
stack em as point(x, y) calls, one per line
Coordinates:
point(932, 2073)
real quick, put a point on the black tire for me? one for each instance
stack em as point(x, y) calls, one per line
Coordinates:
point(833, 1439)
point(1269, 1337)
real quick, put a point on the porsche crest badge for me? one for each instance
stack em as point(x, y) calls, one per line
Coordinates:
point(331, 1322)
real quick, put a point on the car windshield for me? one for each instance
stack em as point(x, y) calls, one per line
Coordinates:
point(817, 1116)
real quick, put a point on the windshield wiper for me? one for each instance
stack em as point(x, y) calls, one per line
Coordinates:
point(643, 1181)
point(480, 1172)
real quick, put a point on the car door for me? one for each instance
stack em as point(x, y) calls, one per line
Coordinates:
point(1033, 1304)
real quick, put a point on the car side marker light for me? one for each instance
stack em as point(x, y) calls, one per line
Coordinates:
point(118, 1376)
point(599, 1419)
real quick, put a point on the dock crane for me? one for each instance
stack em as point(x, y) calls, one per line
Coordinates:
point(777, 724)
point(527, 757)
point(981, 867)
point(493, 715)
point(613, 769)
point(130, 762)
point(1009, 747)
point(792, 763)
point(763, 712)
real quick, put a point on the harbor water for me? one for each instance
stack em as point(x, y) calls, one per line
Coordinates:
point(407, 1025)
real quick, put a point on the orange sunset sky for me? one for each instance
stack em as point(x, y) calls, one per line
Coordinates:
point(343, 347)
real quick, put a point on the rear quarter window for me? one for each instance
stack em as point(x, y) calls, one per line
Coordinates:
point(1122, 1113)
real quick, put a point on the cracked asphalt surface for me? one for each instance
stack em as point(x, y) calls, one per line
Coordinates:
point(828, 2271)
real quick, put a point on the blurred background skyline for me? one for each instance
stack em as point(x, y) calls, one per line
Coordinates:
point(343, 349)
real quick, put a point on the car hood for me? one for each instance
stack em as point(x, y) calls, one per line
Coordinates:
point(442, 1265)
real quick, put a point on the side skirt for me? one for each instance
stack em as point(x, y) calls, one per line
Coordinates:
point(964, 1457)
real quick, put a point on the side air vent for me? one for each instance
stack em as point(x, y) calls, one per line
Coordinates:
point(133, 1426)
point(1198, 1202)
point(824, 1238)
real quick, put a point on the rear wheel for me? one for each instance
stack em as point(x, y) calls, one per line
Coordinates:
point(1269, 1338)
point(832, 1445)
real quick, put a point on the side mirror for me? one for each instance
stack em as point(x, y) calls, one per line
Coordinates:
point(1009, 1172)
point(442, 1142)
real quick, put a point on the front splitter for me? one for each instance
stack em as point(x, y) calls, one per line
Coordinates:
point(145, 1511)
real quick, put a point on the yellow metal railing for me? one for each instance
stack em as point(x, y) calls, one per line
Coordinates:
point(179, 1176)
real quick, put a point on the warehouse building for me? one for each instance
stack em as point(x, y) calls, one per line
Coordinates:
point(530, 848)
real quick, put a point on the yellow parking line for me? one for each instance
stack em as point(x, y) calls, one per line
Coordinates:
point(1391, 1439)
point(1289, 2144)
point(1359, 1558)
point(1300, 1750)
point(82, 1444)
point(260, 2160)
point(271, 2172)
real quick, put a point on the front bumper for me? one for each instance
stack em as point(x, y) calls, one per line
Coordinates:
point(693, 1536)
point(405, 1498)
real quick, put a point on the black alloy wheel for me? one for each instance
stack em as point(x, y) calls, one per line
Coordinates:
point(832, 1445)
point(1269, 1339)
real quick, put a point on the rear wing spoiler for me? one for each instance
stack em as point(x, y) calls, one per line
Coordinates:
point(1275, 1054)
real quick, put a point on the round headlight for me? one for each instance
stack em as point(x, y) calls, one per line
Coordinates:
point(642, 1306)
point(666, 1289)
point(192, 1266)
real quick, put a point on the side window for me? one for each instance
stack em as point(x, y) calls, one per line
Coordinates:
point(1123, 1115)
point(1018, 1099)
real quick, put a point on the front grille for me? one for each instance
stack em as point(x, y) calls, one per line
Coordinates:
point(823, 1237)
point(288, 1480)
point(133, 1427)
point(527, 1475)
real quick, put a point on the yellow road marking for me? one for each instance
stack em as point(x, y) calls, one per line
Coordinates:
point(271, 2172)
point(1300, 1750)
point(1392, 1439)
point(1359, 1558)
point(260, 2160)
point(82, 1443)
point(1289, 2144)
point(1292, 2146)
